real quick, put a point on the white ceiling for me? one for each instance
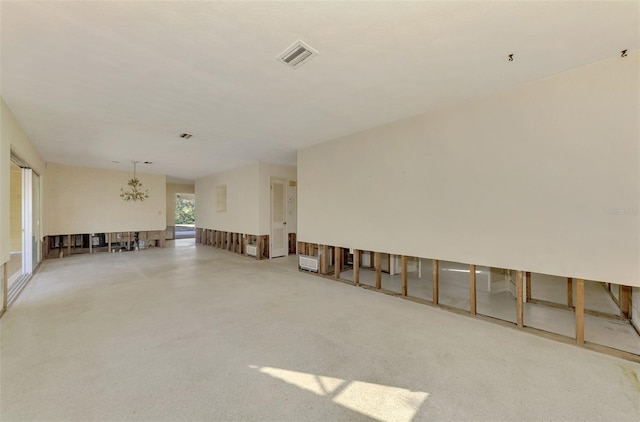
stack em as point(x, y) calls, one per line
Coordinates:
point(92, 82)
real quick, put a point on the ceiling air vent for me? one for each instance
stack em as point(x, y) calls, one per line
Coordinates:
point(297, 55)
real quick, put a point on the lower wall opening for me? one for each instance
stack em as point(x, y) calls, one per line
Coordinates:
point(594, 314)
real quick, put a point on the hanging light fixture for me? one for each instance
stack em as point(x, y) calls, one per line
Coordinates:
point(135, 192)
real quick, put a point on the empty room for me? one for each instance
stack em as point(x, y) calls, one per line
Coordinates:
point(333, 210)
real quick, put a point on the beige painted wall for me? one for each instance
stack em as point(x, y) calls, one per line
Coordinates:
point(15, 212)
point(242, 200)
point(172, 189)
point(523, 179)
point(13, 139)
point(267, 171)
point(87, 200)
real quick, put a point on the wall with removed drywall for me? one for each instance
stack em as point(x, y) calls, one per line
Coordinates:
point(87, 200)
point(241, 214)
point(543, 177)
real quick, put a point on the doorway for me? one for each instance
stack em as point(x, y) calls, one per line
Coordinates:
point(14, 266)
point(24, 223)
point(185, 219)
point(279, 235)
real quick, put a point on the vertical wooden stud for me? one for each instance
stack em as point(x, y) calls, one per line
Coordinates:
point(472, 289)
point(378, 265)
point(528, 285)
point(579, 311)
point(624, 296)
point(324, 260)
point(109, 241)
point(356, 267)
point(519, 300)
point(337, 255)
point(570, 292)
point(45, 253)
point(90, 243)
point(69, 245)
point(403, 264)
point(436, 277)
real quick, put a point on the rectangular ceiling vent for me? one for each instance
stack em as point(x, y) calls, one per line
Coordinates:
point(297, 55)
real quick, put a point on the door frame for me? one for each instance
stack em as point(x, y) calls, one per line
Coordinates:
point(285, 183)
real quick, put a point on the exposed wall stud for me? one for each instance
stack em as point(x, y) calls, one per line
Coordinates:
point(436, 275)
point(403, 261)
point(528, 285)
point(579, 311)
point(570, 292)
point(378, 265)
point(356, 267)
point(625, 301)
point(519, 304)
point(337, 258)
point(472, 289)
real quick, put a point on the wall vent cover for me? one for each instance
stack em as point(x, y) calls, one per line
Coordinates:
point(297, 55)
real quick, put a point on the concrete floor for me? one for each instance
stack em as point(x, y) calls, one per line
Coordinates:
point(194, 333)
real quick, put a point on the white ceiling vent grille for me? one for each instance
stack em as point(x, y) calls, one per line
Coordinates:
point(297, 55)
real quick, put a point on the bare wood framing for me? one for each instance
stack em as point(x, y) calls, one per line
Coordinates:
point(324, 263)
point(109, 241)
point(259, 244)
point(378, 264)
point(472, 289)
point(625, 300)
point(322, 258)
point(338, 261)
point(90, 243)
point(45, 253)
point(403, 263)
point(266, 246)
point(579, 311)
point(570, 292)
point(519, 304)
point(528, 285)
point(436, 274)
point(356, 266)
point(68, 245)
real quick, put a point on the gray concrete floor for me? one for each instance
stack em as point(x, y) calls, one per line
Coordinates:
point(194, 333)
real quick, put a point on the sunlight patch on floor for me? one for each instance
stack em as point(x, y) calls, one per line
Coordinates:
point(377, 401)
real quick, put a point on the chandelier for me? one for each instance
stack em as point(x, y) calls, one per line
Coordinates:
point(135, 192)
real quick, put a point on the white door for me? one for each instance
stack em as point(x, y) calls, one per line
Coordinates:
point(279, 235)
